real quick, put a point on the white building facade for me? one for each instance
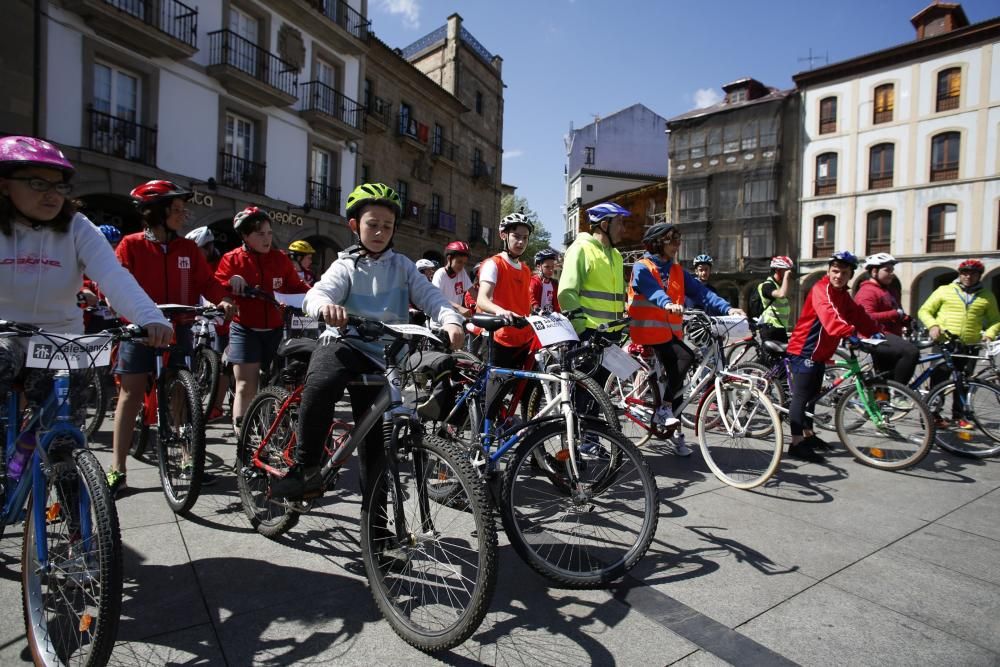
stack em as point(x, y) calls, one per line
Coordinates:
point(901, 154)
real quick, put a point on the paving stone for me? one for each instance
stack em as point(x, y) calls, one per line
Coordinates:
point(978, 517)
point(953, 549)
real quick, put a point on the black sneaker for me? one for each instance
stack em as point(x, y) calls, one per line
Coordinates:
point(804, 452)
point(815, 442)
point(298, 483)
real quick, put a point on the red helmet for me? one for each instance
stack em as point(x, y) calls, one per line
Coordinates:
point(972, 265)
point(456, 248)
point(782, 262)
point(245, 218)
point(155, 192)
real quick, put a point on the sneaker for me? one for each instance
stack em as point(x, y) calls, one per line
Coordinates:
point(592, 449)
point(680, 445)
point(815, 442)
point(964, 424)
point(298, 483)
point(214, 414)
point(665, 416)
point(116, 483)
point(942, 423)
point(804, 452)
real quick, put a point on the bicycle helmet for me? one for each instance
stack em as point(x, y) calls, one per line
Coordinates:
point(424, 264)
point(373, 193)
point(456, 248)
point(598, 213)
point(515, 219)
point(547, 253)
point(111, 233)
point(243, 221)
point(702, 259)
point(783, 262)
point(202, 236)
point(972, 265)
point(845, 257)
point(879, 259)
point(17, 152)
point(301, 248)
point(155, 192)
point(658, 231)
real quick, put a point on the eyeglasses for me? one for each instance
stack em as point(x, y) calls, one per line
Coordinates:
point(41, 185)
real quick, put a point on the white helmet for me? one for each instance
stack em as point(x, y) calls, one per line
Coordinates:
point(424, 264)
point(202, 236)
point(879, 259)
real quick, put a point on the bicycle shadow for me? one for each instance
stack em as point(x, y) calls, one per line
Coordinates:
point(793, 486)
point(942, 466)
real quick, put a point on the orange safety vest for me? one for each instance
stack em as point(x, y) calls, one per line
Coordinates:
point(651, 324)
point(513, 292)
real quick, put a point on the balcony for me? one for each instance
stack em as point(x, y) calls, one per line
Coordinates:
point(944, 171)
point(880, 180)
point(826, 186)
point(378, 115)
point(442, 221)
point(247, 70)
point(121, 138)
point(410, 131)
point(946, 102)
point(329, 110)
point(568, 238)
point(164, 28)
point(483, 171)
point(242, 174)
point(479, 233)
point(323, 197)
point(882, 117)
point(697, 214)
point(821, 249)
point(443, 149)
point(332, 21)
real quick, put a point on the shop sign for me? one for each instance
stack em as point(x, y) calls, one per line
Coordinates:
point(202, 199)
point(285, 218)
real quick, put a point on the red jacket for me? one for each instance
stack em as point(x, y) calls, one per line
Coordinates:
point(537, 282)
point(180, 274)
point(882, 305)
point(270, 273)
point(828, 315)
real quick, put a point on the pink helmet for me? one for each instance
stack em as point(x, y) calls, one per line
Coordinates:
point(18, 152)
point(781, 262)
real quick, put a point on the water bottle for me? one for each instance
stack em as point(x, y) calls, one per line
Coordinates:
point(23, 450)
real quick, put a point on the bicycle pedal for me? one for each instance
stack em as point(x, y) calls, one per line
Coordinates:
point(299, 506)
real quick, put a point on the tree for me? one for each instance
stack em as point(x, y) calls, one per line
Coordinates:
point(540, 238)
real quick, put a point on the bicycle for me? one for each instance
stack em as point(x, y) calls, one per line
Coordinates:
point(71, 559)
point(738, 428)
point(558, 475)
point(207, 362)
point(431, 567)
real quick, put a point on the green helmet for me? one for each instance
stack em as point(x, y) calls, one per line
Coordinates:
point(373, 193)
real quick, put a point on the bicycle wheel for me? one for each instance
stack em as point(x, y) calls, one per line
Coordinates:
point(740, 435)
point(601, 406)
point(181, 445)
point(268, 517)
point(775, 389)
point(901, 435)
point(743, 352)
point(94, 405)
point(435, 584)
point(981, 407)
point(140, 436)
point(634, 400)
point(207, 365)
point(72, 602)
point(584, 533)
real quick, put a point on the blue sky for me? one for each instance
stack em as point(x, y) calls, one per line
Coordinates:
point(566, 60)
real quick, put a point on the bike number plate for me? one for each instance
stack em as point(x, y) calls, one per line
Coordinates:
point(552, 329)
point(619, 362)
point(68, 351)
point(301, 323)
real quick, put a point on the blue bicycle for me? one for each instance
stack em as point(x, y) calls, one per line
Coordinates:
point(71, 559)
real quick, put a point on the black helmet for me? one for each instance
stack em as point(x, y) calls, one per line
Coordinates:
point(658, 231)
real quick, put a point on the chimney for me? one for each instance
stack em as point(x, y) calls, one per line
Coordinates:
point(939, 18)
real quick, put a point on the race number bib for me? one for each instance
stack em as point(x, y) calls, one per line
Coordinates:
point(68, 351)
point(552, 329)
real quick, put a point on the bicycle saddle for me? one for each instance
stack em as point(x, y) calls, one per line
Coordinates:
point(775, 347)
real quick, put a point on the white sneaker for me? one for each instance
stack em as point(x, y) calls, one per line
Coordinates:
point(665, 416)
point(680, 445)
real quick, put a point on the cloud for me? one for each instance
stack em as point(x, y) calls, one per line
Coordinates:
point(409, 10)
point(512, 153)
point(706, 97)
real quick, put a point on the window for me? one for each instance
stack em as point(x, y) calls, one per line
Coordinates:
point(366, 175)
point(695, 242)
point(880, 166)
point(885, 102)
point(944, 156)
point(739, 95)
point(437, 144)
point(698, 145)
point(479, 103)
point(321, 193)
point(769, 133)
point(239, 150)
point(476, 227)
point(941, 222)
point(828, 115)
point(823, 235)
point(826, 174)
point(728, 193)
point(749, 136)
point(243, 52)
point(949, 88)
point(239, 136)
point(116, 92)
point(324, 95)
point(879, 232)
point(320, 168)
point(403, 190)
point(758, 241)
point(588, 155)
point(730, 139)
point(680, 145)
point(368, 94)
point(590, 187)
point(758, 198)
point(692, 205)
point(715, 142)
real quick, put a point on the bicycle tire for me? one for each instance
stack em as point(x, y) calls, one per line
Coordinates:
point(181, 471)
point(775, 391)
point(72, 607)
point(399, 573)
point(982, 409)
point(206, 368)
point(95, 405)
point(606, 408)
point(744, 352)
point(738, 454)
point(635, 407)
point(140, 435)
point(269, 518)
point(886, 447)
point(537, 520)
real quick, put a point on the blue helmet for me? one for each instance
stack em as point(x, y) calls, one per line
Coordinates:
point(547, 253)
point(111, 233)
point(846, 257)
point(605, 210)
point(702, 259)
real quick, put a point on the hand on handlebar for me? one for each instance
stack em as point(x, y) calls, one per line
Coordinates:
point(158, 335)
point(237, 284)
point(228, 308)
point(934, 332)
point(455, 335)
point(334, 315)
point(675, 308)
point(736, 312)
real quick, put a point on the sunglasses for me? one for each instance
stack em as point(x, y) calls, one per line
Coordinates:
point(41, 185)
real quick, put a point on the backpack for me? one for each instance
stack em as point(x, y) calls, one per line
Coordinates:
point(755, 307)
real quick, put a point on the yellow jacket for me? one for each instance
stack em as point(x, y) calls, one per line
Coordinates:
point(965, 314)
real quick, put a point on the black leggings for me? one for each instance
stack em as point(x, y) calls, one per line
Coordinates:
point(897, 356)
point(676, 358)
point(806, 385)
point(942, 374)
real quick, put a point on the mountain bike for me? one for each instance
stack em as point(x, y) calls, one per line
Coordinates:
point(431, 567)
point(71, 559)
point(206, 360)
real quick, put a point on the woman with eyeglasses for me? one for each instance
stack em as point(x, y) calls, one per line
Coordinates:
point(45, 248)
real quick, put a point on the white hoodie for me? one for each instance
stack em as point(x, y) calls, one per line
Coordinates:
point(42, 270)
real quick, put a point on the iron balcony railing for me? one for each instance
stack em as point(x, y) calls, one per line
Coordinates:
point(378, 108)
point(317, 96)
point(481, 170)
point(323, 197)
point(346, 17)
point(407, 126)
point(170, 17)
point(441, 147)
point(442, 220)
point(121, 137)
point(240, 173)
point(228, 48)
